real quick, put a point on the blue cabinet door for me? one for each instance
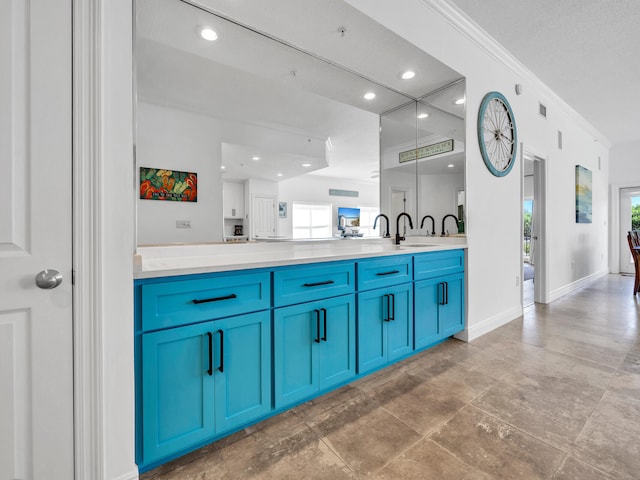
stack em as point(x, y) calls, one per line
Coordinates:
point(385, 326)
point(242, 369)
point(372, 330)
point(428, 296)
point(295, 334)
point(177, 390)
point(451, 314)
point(400, 326)
point(314, 347)
point(337, 348)
point(439, 308)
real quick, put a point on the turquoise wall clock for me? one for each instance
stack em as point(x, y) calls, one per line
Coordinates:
point(497, 134)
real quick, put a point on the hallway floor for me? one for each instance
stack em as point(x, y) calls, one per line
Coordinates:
point(555, 394)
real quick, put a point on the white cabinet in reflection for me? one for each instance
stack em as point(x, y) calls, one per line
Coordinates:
point(233, 200)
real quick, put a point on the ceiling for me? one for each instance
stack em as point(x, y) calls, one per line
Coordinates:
point(586, 51)
point(318, 119)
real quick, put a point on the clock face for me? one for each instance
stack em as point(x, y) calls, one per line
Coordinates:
point(497, 134)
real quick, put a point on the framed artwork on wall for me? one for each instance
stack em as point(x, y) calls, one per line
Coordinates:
point(282, 209)
point(583, 195)
point(172, 185)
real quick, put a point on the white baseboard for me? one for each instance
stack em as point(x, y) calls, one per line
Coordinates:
point(485, 326)
point(570, 287)
point(132, 475)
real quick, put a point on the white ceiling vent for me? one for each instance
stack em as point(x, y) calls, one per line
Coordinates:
point(542, 110)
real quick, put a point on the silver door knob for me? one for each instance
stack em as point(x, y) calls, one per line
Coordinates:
point(48, 279)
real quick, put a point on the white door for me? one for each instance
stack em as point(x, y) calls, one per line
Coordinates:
point(36, 350)
point(626, 197)
point(263, 222)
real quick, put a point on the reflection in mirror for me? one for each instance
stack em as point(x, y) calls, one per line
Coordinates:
point(279, 139)
point(422, 151)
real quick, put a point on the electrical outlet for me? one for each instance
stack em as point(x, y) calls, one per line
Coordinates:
point(517, 280)
point(573, 265)
point(183, 223)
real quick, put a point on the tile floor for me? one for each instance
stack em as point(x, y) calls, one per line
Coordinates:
point(555, 394)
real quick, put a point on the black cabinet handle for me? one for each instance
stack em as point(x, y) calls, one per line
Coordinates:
point(393, 307)
point(317, 284)
point(210, 369)
point(221, 367)
point(446, 294)
point(215, 299)
point(385, 296)
point(441, 293)
point(392, 272)
point(317, 339)
point(324, 314)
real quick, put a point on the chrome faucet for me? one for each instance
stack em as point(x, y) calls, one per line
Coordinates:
point(433, 224)
point(443, 220)
point(375, 222)
point(398, 237)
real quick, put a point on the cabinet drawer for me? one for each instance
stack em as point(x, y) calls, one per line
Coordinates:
point(188, 301)
point(384, 272)
point(312, 282)
point(433, 264)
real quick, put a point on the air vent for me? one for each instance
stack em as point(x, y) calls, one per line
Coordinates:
point(559, 140)
point(542, 110)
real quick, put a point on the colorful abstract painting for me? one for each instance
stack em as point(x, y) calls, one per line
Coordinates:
point(161, 184)
point(583, 195)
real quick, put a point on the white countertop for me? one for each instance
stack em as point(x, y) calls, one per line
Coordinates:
point(171, 260)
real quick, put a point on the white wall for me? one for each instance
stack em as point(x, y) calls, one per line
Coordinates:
point(438, 196)
point(494, 204)
point(177, 140)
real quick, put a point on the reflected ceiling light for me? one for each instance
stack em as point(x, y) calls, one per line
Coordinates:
point(222, 167)
point(450, 165)
point(459, 101)
point(255, 158)
point(423, 115)
point(369, 96)
point(208, 33)
point(306, 164)
point(408, 75)
point(279, 174)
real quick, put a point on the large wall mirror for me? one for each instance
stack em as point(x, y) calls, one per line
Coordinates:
point(282, 139)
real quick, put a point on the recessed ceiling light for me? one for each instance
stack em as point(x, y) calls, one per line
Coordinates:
point(408, 75)
point(255, 157)
point(450, 165)
point(369, 96)
point(279, 174)
point(423, 115)
point(208, 33)
point(459, 101)
point(306, 164)
point(222, 167)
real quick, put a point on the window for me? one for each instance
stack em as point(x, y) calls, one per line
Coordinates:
point(367, 217)
point(311, 220)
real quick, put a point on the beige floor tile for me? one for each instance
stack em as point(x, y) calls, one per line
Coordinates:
point(496, 447)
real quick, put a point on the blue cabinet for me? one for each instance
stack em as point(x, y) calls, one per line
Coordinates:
point(314, 347)
point(439, 308)
point(201, 380)
point(385, 325)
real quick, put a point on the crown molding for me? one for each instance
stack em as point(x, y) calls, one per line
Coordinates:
point(464, 25)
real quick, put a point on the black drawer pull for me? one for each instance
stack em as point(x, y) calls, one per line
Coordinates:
point(215, 299)
point(327, 282)
point(324, 314)
point(392, 315)
point(392, 272)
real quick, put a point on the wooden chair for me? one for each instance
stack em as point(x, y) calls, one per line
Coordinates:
point(634, 241)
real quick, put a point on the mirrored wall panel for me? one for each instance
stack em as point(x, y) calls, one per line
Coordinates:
point(241, 136)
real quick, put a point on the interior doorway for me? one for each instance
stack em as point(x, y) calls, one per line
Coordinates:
point(533, 248)
point(629, 220)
